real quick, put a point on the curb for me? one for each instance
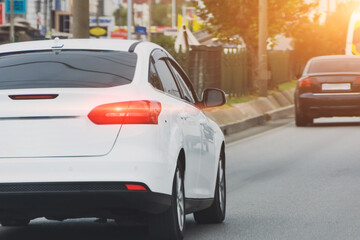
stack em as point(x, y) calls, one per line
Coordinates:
point(244, 124)
point(277, 114)
point(241, 116)
point(280, 113)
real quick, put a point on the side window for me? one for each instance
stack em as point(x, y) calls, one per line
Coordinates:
point(167, 78)
point(188, 96)
point(154, 78)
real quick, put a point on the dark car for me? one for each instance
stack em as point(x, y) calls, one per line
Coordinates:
point(329, 87)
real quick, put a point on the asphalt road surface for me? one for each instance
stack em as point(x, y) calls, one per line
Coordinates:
point(287, 183)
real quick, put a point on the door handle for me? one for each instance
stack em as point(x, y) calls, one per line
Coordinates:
point(202, 122)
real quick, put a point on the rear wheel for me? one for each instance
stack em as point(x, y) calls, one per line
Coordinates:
point(171, 224)
point(216, 212)
point(302, 120)
point(14, 223)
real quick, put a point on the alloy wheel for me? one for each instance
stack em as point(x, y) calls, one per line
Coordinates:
point(180, 200)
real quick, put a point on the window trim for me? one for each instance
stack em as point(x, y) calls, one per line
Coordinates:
point(186, 79)
point(162, 55)
point(173, 69)
point(153, 59)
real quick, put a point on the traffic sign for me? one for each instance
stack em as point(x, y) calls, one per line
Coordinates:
point(19, 6)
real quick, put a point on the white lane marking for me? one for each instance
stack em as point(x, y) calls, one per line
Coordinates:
point(259, 134)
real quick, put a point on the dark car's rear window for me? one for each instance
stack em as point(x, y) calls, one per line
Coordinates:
point(67, 69)
point(334, 65)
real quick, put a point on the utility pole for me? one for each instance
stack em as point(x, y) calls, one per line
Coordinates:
point(263, 57)
point(12, 27)
point(98, 14)
point(173, 19)
point(81, 19)
point(50, 19)
point(129, 18)
point(150, 20)
point(46, 16)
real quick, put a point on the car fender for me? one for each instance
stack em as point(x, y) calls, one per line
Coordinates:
point(219, 141)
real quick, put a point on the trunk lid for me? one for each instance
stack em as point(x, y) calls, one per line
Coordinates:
point(57, 127)
point(339, 83)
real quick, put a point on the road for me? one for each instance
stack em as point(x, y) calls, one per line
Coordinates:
point(286, 183)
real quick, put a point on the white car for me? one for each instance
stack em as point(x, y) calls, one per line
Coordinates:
point(108, 129)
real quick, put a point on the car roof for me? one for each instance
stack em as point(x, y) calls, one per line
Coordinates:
point(334, 57)
point(69, 44)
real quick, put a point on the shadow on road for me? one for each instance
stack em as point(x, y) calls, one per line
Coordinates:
point(336, 124)
point(73, 230)
point(89, 230)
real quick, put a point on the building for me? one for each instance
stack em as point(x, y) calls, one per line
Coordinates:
point(54, 16)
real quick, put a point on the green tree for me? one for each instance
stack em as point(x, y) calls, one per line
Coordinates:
point(231, 18)
point(161, 14)
point(313, 38)
point(120, 15)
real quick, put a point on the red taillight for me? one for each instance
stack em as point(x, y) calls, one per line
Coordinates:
point(135, 187)
point(357, 80)
point(135, 112)
point(308, 83)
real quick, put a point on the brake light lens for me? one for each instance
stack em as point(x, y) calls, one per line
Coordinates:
point(308, 83)
point(357, 80)
point(135, 187)
point(134, 112)
point(33, 97)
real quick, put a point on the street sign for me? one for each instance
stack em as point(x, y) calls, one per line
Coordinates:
point(2, 13)
point(140, 30)
point(98, 31)
point(120, 33)
point(103, 21)
point(19, 6)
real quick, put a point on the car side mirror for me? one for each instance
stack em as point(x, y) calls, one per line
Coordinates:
point(213, 97)
point(298, 75)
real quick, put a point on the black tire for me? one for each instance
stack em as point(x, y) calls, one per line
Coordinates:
point(302, 120)
point(170, 225)
point(217, 211)
point(14, 223)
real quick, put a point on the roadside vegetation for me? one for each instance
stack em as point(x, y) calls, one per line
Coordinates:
point(288, 85)
point(247, 98)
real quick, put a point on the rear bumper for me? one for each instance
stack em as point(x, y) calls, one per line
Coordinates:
point(329, 104)
point(76, 200)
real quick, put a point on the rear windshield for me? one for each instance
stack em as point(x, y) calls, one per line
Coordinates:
point(67, 69)
point(334, 65)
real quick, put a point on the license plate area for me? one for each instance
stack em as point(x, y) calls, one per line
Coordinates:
point(335, 86)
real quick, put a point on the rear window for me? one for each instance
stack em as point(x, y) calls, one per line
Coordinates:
point(67, 69)
point(334, 65)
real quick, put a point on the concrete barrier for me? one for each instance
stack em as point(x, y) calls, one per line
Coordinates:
point(282, 100)
point(242, 116)
point(289, 95)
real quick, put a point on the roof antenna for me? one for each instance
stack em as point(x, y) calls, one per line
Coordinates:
point(57, 47)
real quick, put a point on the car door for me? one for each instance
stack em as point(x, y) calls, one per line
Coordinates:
point(180, 120)
point(199, 137)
